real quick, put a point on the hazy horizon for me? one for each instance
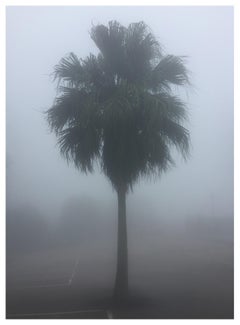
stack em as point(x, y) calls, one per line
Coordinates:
point(189, 200)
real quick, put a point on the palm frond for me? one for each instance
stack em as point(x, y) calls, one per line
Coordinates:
point(128, 52)
point(158, 155)
point(170, 70)
point(141, 49)
point(163, 115)
point(177, 135)
point(69, 69)
point(168, 106)
point(94, 74)
point(140, 40)
point(110, 41)
point(66, 108)
point(80, 144)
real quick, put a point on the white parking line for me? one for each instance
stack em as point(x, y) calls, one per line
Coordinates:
point(109, 314)
point(59, 313)
point(65, 284)
point(74, 271)
point(47, 285)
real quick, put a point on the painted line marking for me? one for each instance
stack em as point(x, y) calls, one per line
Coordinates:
point(46, 285)
point(61, 313)
point(64, 284)
point(109, 314)
point(74, 271)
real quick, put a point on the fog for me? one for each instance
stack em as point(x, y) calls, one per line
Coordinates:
point(180, 226)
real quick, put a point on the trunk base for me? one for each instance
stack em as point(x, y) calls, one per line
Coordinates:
point(120, 297)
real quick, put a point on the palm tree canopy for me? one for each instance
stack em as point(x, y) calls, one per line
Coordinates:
point(118, 107)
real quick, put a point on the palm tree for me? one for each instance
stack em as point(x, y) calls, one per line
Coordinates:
point(118, 109)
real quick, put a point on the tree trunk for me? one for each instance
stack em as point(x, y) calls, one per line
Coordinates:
point(121, 282)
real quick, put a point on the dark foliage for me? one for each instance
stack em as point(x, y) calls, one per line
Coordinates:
point(118, 108)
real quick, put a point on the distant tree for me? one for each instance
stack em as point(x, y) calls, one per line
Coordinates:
point(118, 108)
point(26, 230)
point(82, 218)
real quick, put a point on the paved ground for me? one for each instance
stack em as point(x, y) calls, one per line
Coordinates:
point(169, 278)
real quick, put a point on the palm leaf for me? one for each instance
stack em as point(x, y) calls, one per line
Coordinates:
point(67, 107)
point(170, 70)
point(69, 69)
point(81, 144)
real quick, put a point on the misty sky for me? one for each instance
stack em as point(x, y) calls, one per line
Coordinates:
point(38, 37)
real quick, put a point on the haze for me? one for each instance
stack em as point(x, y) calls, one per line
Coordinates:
point(190, 208)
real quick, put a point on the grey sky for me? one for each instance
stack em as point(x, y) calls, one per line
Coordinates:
point(38, 37)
